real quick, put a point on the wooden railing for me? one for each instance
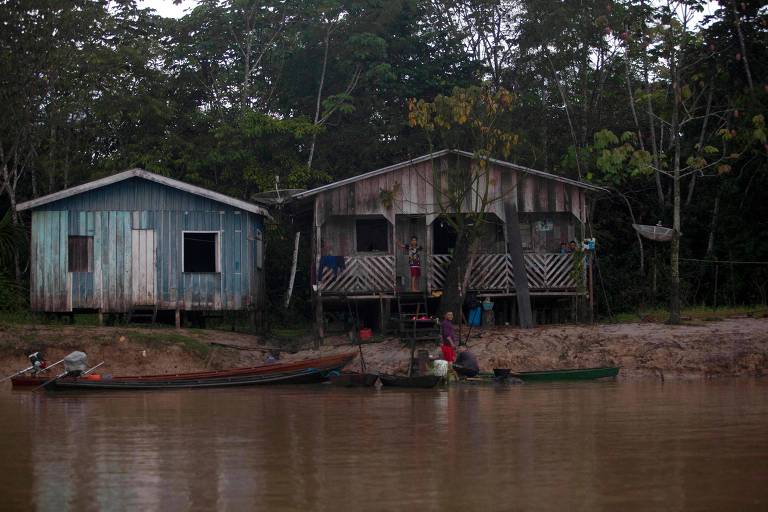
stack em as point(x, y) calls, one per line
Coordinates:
point(494, 272)
point(489, 273)
point(361, 274)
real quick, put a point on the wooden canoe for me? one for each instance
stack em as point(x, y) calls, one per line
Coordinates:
point(322, 364)
point(354, 380)
point(400, 381)
point(303, 376)
point(569, 374)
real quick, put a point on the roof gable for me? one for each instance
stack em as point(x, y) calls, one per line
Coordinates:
point(439, 154)
point(156, 178)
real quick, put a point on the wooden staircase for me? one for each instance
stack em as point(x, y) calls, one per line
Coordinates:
point(143, 313)
point(414, 325)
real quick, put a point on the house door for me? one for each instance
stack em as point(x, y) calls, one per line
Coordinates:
point(143, 254)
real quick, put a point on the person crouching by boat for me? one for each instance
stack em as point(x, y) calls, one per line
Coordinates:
point(448, 338)
point(466, 363)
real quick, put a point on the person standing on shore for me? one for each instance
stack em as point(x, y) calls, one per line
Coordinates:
point(448, 338)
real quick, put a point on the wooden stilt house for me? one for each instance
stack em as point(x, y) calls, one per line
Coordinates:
point(139, 241)
point(362, 220)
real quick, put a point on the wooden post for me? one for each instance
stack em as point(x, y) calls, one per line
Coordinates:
point(101, 318)
point(382, 320)
point(428, 250)
point(317, 294)
point(395, 250)
point(591, 290)
point(293, 269)
point(178, 318)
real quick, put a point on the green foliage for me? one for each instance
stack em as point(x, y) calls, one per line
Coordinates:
point(89, 88)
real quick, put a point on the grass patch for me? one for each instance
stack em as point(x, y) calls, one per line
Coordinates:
point(697, 313)
point(160, 338)
point(9, 318)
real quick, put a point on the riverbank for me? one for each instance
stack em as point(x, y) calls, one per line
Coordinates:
point(730, 347)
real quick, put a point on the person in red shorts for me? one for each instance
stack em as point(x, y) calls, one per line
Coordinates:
point(414, 261)
point(448, 338)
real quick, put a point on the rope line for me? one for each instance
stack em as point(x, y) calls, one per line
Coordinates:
point(726, 261)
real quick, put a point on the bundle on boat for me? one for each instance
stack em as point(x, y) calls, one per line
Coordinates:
point(306, 371)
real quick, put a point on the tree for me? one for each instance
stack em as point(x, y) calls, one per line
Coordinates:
point(469, 118)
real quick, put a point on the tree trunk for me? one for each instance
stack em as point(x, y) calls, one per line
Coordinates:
point(453, 293)
point(319, 96)
point(737, 22)
point(674, 306)
point(713, 225)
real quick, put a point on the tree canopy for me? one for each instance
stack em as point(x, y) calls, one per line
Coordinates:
point(663, 102)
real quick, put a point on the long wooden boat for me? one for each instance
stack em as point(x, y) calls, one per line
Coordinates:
point(569, 374)
point(354, 380)
point(304, 376)
point(323, 365)
point(400, 381)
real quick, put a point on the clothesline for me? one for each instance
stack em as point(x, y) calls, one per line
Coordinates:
point(727, 261)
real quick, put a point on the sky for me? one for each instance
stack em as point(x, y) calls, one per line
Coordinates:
point(167, 9)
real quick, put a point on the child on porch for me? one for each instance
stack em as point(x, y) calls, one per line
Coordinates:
point(414, 261)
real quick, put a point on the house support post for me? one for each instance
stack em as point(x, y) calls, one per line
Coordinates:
point(177, 317)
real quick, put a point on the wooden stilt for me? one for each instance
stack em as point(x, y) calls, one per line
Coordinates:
point(178, 318)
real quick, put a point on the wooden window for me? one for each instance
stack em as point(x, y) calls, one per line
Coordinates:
point(80, 254)
point(201, 251)
point(372, 235)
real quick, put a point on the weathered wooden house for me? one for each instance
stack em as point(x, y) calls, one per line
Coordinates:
point(139, 241)
point(364, 219)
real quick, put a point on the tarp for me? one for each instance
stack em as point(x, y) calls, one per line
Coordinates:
point(76, 361)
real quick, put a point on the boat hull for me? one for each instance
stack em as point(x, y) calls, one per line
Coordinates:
point(571, 374)
point(421, 381)
point(354, 380)
point(308, 370)
point(306, 376)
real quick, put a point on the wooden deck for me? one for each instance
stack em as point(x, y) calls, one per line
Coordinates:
point(548, 274)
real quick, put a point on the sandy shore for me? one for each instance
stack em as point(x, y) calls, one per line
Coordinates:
point(732, 347)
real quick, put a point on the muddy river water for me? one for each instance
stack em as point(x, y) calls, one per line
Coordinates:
point(575, 446)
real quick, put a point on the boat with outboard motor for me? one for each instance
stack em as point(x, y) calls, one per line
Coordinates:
point(305, 371)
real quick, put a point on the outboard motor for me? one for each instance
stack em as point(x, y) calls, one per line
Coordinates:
point(37, 362)
point(76, 363)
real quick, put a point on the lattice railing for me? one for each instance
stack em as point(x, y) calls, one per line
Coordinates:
point(492, 272)
point(361, 274)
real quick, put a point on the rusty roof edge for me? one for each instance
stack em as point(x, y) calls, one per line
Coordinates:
point(438, 154)
point(141, 173)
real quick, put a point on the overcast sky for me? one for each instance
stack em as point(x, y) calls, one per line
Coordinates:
point(167, 8)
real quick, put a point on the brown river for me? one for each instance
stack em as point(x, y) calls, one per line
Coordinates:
point(560, 446)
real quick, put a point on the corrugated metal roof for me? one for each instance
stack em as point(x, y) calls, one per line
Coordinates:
point(439, 154)
point(141, 173)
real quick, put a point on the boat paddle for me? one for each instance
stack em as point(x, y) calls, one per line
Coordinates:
point(86, 372)
point(30, 369)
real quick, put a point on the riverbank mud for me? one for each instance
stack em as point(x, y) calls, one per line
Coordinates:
point(731, 347)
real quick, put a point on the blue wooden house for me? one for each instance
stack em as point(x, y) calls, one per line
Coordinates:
point(137, 240)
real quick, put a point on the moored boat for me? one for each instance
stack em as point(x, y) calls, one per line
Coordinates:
point(401, 381)
point(568, 374)
point(354, 380)
point(307, 370)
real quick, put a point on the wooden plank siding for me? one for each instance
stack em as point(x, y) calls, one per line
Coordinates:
point(132, 223)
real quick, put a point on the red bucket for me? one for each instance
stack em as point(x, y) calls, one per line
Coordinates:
point(365, 334)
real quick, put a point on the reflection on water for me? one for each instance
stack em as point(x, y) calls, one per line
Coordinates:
point(582, 446)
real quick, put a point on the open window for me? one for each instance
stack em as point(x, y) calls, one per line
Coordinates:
point(201, 251)
point(443, 237)
point(80, 254)
point(372, 235)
